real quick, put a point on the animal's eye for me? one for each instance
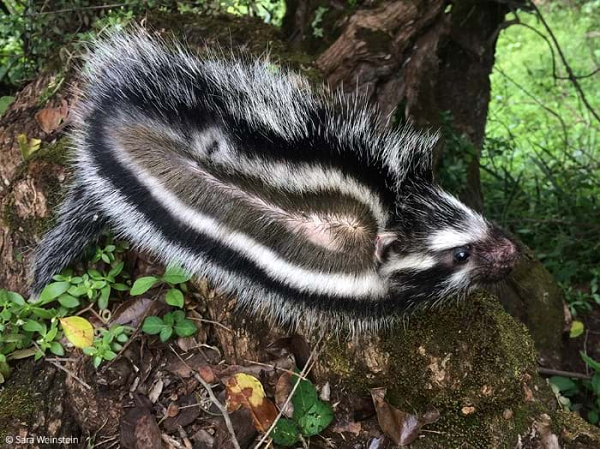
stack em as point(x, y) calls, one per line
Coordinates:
point(461, 254)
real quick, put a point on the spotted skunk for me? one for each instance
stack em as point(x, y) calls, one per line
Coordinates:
point(296, 200)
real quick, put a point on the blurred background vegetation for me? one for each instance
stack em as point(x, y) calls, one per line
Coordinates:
point(540, 165)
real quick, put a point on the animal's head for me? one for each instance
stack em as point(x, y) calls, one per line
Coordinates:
point(435, 246)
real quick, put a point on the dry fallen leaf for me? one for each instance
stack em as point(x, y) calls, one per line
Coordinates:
point(138, 426)
point(132, 311)
point(283, 388)
point(50, 119)
point(401, 427)
point(244, 390)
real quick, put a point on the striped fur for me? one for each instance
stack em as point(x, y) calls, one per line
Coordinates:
point(296, 200)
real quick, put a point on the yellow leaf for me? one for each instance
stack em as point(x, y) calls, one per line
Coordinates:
point(28, 146)
point(244, 390)
point(249, 386)
point(78, 331)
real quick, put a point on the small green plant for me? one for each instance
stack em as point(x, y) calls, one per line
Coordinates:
point(172, 322)
point(109, 343)
point(317, 23)
point(580, 395)
point(30, 328)
point(311, 416)
point(175, 278)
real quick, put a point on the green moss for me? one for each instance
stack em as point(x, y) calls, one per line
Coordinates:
point(17, 403)
point(575, 431)
point(470, 361)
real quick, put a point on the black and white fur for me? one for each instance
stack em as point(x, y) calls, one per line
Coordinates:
point(294, 199)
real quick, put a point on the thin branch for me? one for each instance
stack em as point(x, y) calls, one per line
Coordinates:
point(572, 77)
point(214, 400)
point(78, 379)
point(539, 103)
point(557, 372)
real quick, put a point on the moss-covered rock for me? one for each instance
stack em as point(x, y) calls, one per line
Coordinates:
point(471, 361)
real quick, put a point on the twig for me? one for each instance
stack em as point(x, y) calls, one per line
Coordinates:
point(214, 400)
point(78, 379)
point(571, 75)
point(303, 373)
point(275, 368)
point(216, 323)
point(558, 372)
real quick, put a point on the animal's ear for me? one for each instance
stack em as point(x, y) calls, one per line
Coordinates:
point(382, 244)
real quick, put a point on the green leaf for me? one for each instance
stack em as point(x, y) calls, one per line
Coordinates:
point(68, 301)
point(45, 314)
point(5, 102)
point(169, 318)
point(97, 285)
point(109, 355)
point(33, 326)
point(105, 258)
point(120, 287)
point(51, 334)
point(53, 291)
point(16, 298)
point(97, 361)
point(77, 290)
point(95, 274)
point(185, 328)
point(122, 338)
point(318, 417)
point(104, 297)
point(178, 315)
point(176, 275)
point(590, 361)
point(116, 270)
point(563, 383)
point(166, 333)
point(57, 349)
point(577, 328)
point(174, 298)
point(286, 432)
point(152, 325)
point(90, 350)
point(142, 285)
point(593, 416)
point(304, 398)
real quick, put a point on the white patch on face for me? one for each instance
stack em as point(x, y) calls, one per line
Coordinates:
point(412, 262)
point(474, 228)
point(459, 279)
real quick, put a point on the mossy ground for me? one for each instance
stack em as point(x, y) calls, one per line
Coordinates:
point(18, 402)
point(41, 166)
point(471, 361)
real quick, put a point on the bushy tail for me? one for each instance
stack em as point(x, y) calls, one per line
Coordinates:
point(79, 223)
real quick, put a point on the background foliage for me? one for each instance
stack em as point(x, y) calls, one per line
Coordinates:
point(541, 164)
